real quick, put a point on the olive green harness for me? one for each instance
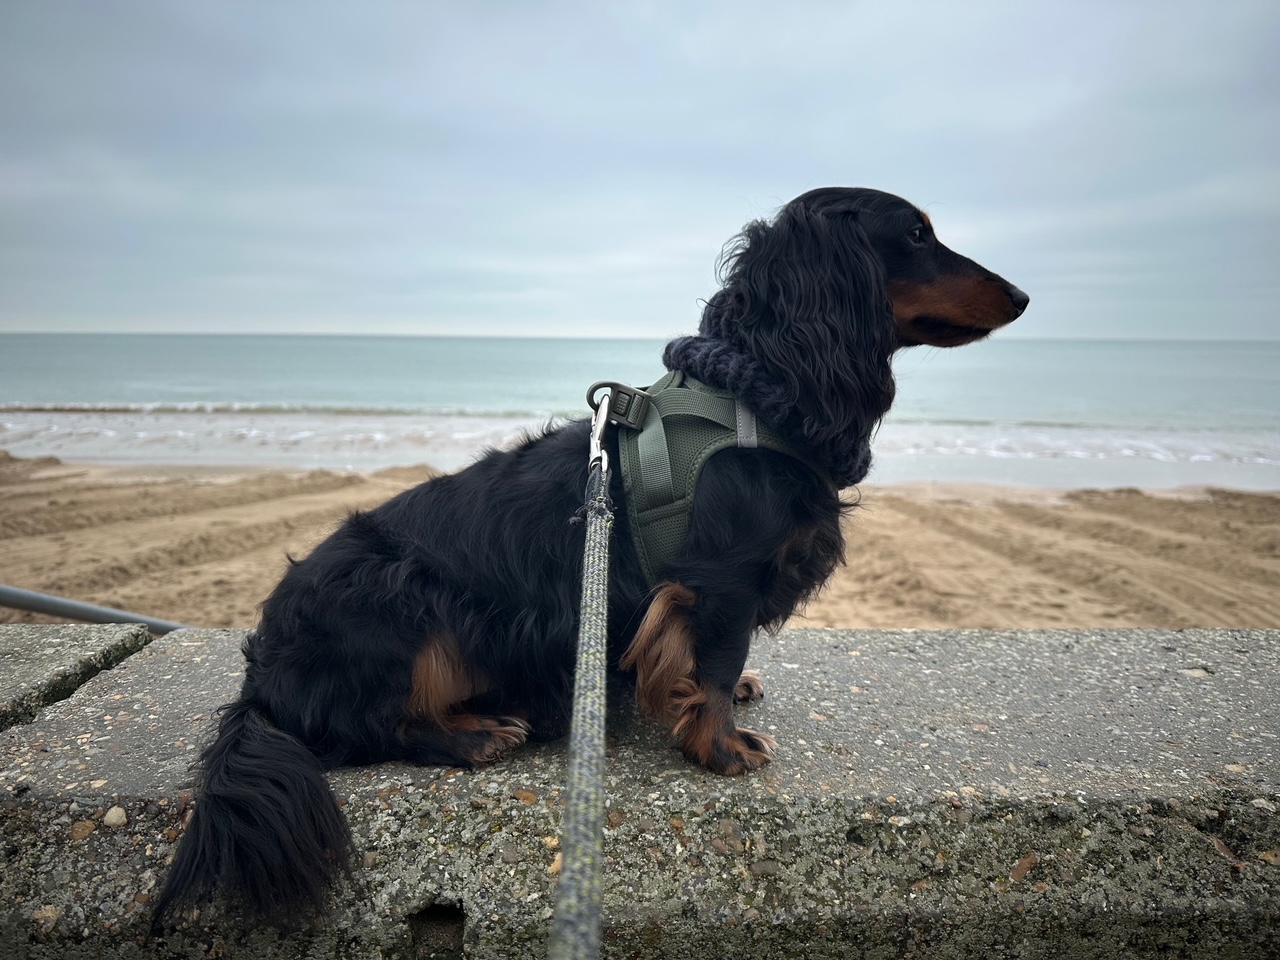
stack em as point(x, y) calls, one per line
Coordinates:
point(686, 422)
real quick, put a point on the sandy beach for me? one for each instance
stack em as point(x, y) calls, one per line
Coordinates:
point(204, 545)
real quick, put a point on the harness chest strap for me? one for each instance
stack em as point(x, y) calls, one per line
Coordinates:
point(687, 422)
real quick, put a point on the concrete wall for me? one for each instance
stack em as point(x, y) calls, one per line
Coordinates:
point(939, 794)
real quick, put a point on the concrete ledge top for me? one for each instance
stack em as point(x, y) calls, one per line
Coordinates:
point(44, 663)
point(981, 788)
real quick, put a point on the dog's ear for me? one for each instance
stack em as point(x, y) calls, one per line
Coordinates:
point(805, 295)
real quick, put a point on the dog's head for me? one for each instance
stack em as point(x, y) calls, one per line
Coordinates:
point(939, 297)
point(826, 291)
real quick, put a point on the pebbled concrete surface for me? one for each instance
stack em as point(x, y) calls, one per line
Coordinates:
point(42, 663)
point(941, 794)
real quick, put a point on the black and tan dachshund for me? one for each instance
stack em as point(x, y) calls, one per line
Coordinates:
point(440, 628)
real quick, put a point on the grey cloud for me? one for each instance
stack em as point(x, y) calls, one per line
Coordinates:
point(574, 168)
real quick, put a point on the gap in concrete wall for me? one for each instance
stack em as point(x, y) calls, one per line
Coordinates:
point(437, 931)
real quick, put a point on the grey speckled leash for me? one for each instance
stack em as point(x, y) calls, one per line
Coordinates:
point(575, 932)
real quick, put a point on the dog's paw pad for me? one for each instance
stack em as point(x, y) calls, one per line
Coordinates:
point(750, 687)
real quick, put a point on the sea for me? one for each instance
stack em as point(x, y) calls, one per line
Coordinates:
point(1045, 413)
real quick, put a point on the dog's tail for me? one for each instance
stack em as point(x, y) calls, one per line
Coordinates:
point(266, 828)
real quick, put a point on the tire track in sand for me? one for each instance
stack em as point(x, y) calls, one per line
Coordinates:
point(208, 561)
point(1150, 591)
point(904, 568)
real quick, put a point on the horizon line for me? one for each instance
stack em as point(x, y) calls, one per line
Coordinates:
point(564, 336)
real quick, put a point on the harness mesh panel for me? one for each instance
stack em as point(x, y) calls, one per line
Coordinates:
point(660, 520)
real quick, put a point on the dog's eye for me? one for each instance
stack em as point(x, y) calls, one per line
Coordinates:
point(916, 234)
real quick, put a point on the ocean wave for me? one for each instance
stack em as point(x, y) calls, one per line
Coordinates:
point(89, 432)
point(893, 424)
point(1098, 446)
point(1134, 424)
point(285, 409)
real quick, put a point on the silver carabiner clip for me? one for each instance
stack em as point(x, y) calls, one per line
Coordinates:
point(598, 423)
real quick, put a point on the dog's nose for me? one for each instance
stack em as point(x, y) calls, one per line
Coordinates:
point(1020, 300)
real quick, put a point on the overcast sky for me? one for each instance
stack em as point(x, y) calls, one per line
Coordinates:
point(574, 168)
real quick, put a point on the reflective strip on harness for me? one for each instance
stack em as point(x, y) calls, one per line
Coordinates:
point(746, 427)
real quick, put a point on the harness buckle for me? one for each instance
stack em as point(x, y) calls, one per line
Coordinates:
point(628, 405)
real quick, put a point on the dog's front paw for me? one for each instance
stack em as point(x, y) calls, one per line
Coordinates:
point(750, 687)
point(739, 752)
point(500, 734)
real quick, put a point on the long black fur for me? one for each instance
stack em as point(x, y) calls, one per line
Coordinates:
point(488, 559)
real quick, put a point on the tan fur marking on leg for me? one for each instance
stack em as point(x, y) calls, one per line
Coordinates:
point(703, 726)
point(661, 652)
point(440, 679)
point(687, 699)
point(667, 688)
point(707, 735)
